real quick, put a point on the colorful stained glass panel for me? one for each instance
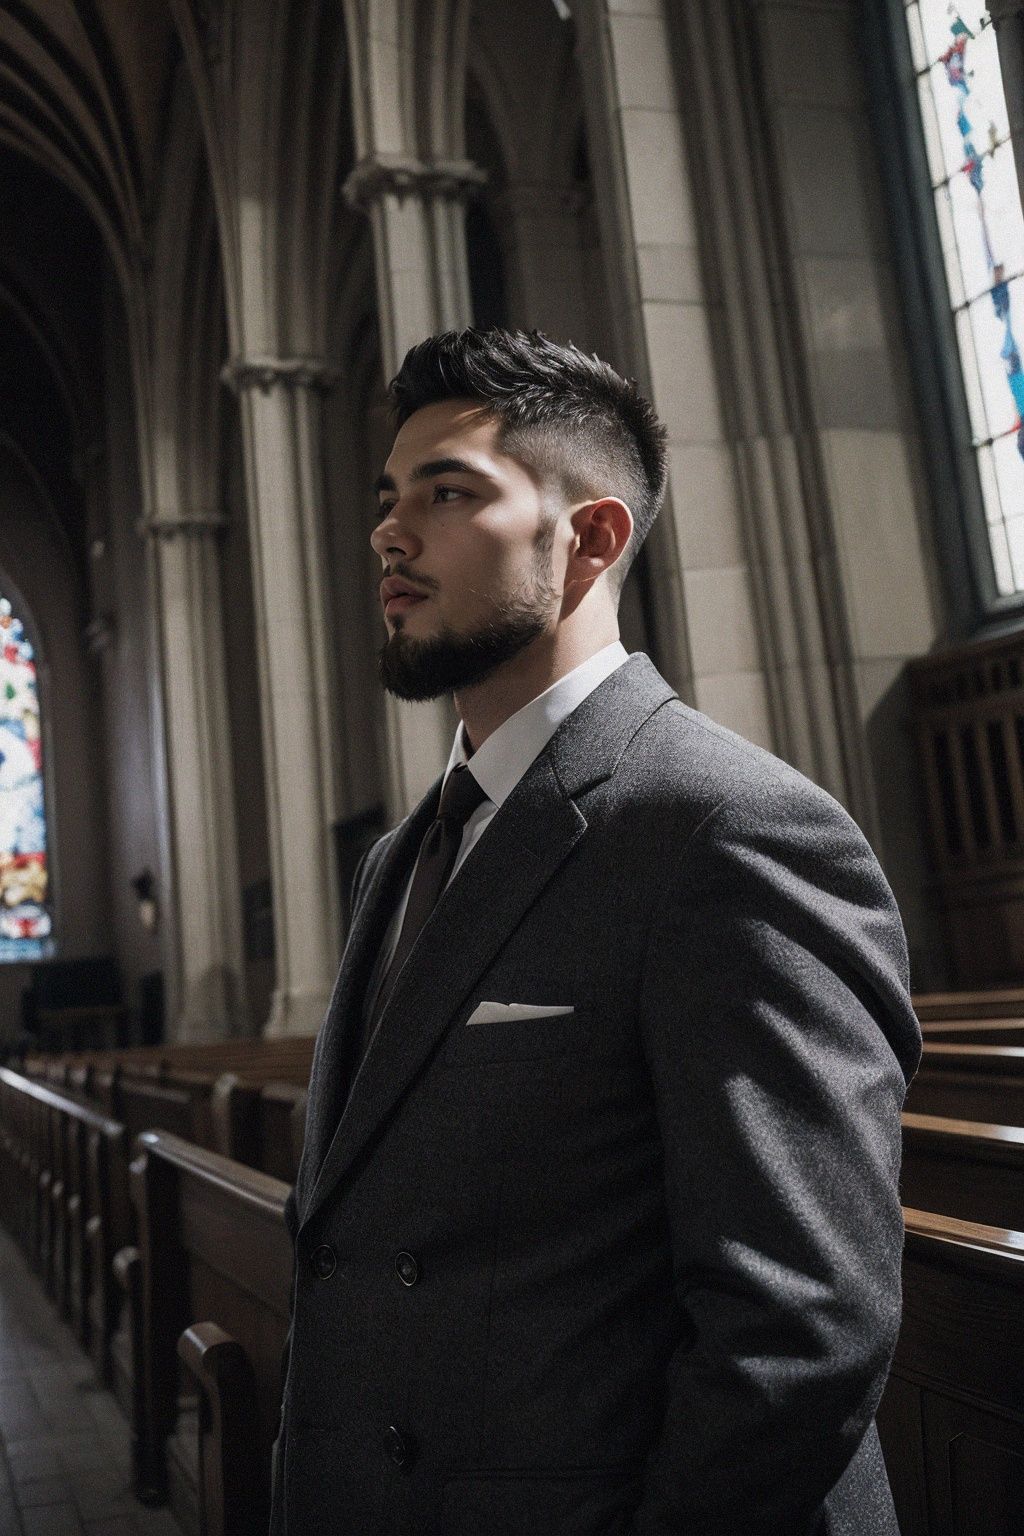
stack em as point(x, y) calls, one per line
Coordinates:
point(26, 926)
point(972, 377)
point(950, 249)
point(1015, 540)
point(1006, 459)
point(990, 487)
point(1001, 411)
point(1001, 559)
point(981, 228)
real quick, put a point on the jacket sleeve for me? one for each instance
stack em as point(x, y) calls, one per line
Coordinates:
point(780, 1036)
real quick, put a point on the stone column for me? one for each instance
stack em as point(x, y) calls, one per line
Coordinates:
point(210, 1001)
point(280, 417)
point(699, 577)
point(417, 214)
point(1008, 18)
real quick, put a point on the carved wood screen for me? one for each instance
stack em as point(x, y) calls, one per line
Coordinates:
point(968, 709)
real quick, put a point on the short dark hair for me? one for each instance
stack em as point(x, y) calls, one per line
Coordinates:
point(564, 412)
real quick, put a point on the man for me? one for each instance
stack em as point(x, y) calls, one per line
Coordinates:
point(597, 1223)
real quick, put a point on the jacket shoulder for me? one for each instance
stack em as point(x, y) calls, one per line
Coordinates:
point(711, 770)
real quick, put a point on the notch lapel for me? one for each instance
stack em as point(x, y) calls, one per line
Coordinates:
point(528, 840)
point(327, 1083)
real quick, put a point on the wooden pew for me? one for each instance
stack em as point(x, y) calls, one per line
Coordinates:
point(970, 1082)
point(218, 1230)
point(974, 1031)
point(67, 1191)
point(965, 1169)
point(216, 1263)
point(291, 1052)
point(180, 1094)
point(281, 1129)
point(221, 1108)
point(65, 1166)
point(992, 1003)
point(213, 1263)
point(243, 1099)
point(950, 1420)
point(189, 1104)
point(261, 1124)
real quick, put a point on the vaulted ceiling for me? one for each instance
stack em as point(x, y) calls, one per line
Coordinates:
point(84, 89)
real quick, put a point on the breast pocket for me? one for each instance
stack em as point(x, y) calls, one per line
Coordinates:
point(528, 1037)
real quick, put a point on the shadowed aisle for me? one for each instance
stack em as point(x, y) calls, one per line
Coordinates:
point(64, 1443)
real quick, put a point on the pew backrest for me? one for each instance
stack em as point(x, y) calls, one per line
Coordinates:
point(994, 1003)
point(964, 1168)
point(951, 1419)
point(974, 1031)
point(214, 1250)
point(970, 1082)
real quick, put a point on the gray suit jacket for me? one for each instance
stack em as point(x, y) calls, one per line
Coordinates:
point(655, 1242)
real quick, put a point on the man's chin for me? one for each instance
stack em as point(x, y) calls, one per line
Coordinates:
point(418, 670)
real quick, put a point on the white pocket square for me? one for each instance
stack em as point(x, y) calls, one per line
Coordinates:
point(505, 1013)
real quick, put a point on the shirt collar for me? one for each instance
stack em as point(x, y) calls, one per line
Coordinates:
point(507, 753)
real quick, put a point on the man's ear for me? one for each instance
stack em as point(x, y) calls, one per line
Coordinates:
point(602, 530)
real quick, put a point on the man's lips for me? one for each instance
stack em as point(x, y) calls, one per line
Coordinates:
point(397, 594)
point(403, 601)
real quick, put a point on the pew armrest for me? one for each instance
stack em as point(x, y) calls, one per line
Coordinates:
point(101, 1300)
point(125, 1267)
point(147, 1467)
point(233, 1482)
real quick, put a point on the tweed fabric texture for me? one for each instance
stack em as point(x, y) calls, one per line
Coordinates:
point(658, 1237)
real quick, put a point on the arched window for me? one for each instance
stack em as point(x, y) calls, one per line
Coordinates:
point(977, 204)
point(26, 925)
point(940, 116)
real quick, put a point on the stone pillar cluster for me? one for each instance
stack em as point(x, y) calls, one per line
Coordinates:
point(417, 215)
point(279, 398)
point(210, 1001)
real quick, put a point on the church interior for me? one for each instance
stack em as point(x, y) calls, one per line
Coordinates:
point(798, 225)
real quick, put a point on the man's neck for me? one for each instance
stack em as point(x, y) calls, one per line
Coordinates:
point(483, 708)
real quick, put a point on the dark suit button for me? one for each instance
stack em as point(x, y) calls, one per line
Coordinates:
point(406, 1268)
point(323, 1261)
point(395, 1447)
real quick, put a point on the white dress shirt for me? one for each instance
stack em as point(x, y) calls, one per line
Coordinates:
point(498, 766)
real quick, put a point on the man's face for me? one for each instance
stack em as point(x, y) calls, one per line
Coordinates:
point(466, 530)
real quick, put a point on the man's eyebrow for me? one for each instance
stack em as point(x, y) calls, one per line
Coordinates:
point(428, 470)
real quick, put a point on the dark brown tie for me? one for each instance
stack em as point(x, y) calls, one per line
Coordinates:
point(438, 852)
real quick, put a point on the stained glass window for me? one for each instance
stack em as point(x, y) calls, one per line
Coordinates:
point(977, 201)
point(26, 925)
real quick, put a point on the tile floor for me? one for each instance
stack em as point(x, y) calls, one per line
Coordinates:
point(64, 1443)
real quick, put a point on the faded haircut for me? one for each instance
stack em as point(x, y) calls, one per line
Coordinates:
point(565, 414)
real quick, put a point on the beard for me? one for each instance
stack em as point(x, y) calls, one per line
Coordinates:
point(449, 661)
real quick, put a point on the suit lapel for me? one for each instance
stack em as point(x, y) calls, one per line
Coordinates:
point(529, 838)
point(328, 1078)
point(527, 841)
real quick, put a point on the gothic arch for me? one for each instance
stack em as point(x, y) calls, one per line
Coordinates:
point(39, 574)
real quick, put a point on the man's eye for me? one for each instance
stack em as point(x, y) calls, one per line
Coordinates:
point(382, 510)
point(448, 490)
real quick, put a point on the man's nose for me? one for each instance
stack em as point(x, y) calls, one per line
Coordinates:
point(393, 536)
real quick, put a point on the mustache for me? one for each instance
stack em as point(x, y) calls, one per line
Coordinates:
point(416, 578)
